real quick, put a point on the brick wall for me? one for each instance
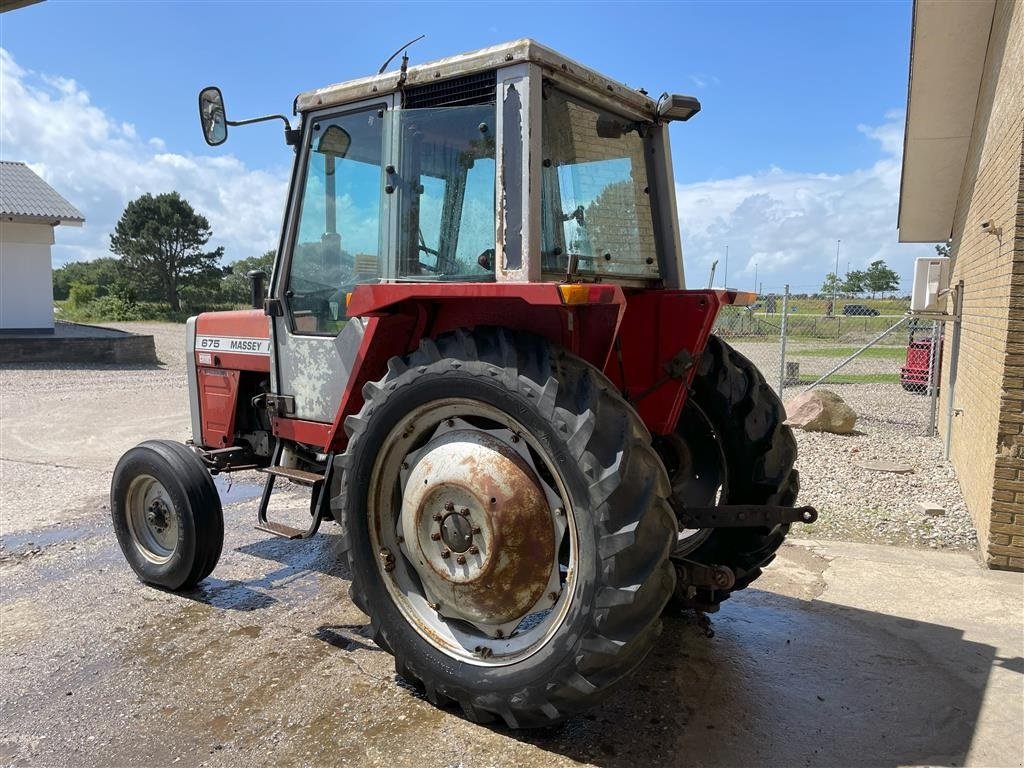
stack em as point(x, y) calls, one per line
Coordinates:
point(988, 428)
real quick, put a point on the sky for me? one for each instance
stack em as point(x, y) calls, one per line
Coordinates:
point(798, 144)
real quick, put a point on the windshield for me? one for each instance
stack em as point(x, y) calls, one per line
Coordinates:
point(595, 201)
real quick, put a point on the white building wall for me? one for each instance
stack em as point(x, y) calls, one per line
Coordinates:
point(26, 277)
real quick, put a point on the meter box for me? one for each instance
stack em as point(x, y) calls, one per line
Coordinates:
point(931, 283)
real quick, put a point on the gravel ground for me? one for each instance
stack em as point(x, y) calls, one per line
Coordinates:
point(858, 504)
point(63, 427)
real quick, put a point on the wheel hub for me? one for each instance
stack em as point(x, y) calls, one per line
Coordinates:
point(456, 532)
point(156, 516)
point(477, 529)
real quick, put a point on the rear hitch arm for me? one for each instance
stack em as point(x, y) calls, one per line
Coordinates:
point(744, 515)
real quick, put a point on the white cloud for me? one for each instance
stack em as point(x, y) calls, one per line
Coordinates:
point(703, 81)
point(788, 222)
point(99, 163)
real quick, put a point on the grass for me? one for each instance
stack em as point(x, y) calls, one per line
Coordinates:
point(878, 353)
point(853, 378)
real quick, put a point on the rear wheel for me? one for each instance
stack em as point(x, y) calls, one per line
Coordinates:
point(167, 514)
point(507, 526)
point(731, 447)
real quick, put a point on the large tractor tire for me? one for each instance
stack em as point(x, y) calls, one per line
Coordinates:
point(731, 447)
point(507, 526)
point(167, 514)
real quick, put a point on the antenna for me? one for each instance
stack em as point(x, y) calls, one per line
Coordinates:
point(400, 49)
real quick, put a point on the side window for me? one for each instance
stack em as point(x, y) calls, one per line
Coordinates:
point(338, 243)
point(595, 201)
point(447, 195)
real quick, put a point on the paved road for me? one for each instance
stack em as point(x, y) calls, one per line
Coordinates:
point(845, 654)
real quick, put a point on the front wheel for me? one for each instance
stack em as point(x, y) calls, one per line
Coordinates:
point(507, 525)
point(167, 514)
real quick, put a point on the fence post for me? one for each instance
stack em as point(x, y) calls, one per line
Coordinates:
point(782, 339)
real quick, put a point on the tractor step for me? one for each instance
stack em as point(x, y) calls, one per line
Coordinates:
point(279, 529)
point(298, 476)
point(320, 489)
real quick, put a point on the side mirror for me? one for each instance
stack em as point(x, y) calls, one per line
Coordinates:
point(212, 117)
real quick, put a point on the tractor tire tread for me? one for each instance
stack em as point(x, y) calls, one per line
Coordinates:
point(628, 491)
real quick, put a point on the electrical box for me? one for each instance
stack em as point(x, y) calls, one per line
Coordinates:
point(931, 281)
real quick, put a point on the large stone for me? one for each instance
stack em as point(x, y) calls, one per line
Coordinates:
point(820, 410)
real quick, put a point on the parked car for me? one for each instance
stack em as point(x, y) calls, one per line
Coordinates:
point(858, 309)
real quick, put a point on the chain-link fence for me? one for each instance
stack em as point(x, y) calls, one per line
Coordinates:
point(881, 361)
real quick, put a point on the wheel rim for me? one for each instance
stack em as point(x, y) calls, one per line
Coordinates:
point(697, 471)
point(473, 530)
point(152, 521)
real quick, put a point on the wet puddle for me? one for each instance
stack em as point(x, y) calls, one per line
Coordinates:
point(232, 491)
point(46, 537)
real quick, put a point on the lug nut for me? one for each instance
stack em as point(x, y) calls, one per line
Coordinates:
point(435, 536)
point(446, 553)
point(464, 511)
point(449, 506)
point(437, 517)
point(474, 549)
point(560, 511)
point(461, 559)
point(475, 529)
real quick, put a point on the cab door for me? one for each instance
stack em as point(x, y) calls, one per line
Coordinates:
point(338, 235)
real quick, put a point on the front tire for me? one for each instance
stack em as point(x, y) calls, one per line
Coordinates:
point(167, 514)
point(590, 536)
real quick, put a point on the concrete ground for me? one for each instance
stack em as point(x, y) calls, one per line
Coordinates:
point(844, 654)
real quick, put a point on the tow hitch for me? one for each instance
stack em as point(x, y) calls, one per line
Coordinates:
point(744, 515)
point(692, 574)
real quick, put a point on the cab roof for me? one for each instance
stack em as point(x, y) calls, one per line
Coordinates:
point(552, 63)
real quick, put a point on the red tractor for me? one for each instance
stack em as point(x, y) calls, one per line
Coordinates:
point(478, 352)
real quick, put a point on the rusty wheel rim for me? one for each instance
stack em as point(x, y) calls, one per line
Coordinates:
point(474, 532)
point(151, 519)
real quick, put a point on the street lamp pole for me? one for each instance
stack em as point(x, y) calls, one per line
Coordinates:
point(835, 283)
point(755, 275)
point(725, 276)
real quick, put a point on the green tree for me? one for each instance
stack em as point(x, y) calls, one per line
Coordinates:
point(81, 294)
point(942, 249)
point(160, 241)
point(832, 285)
point(101, 273)
point(879, 278)
point(853, 282)
point(235, 284)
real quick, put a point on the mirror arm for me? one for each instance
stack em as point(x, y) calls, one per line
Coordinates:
point(291, 135)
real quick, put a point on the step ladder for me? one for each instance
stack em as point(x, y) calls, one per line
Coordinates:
point(320, 489)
